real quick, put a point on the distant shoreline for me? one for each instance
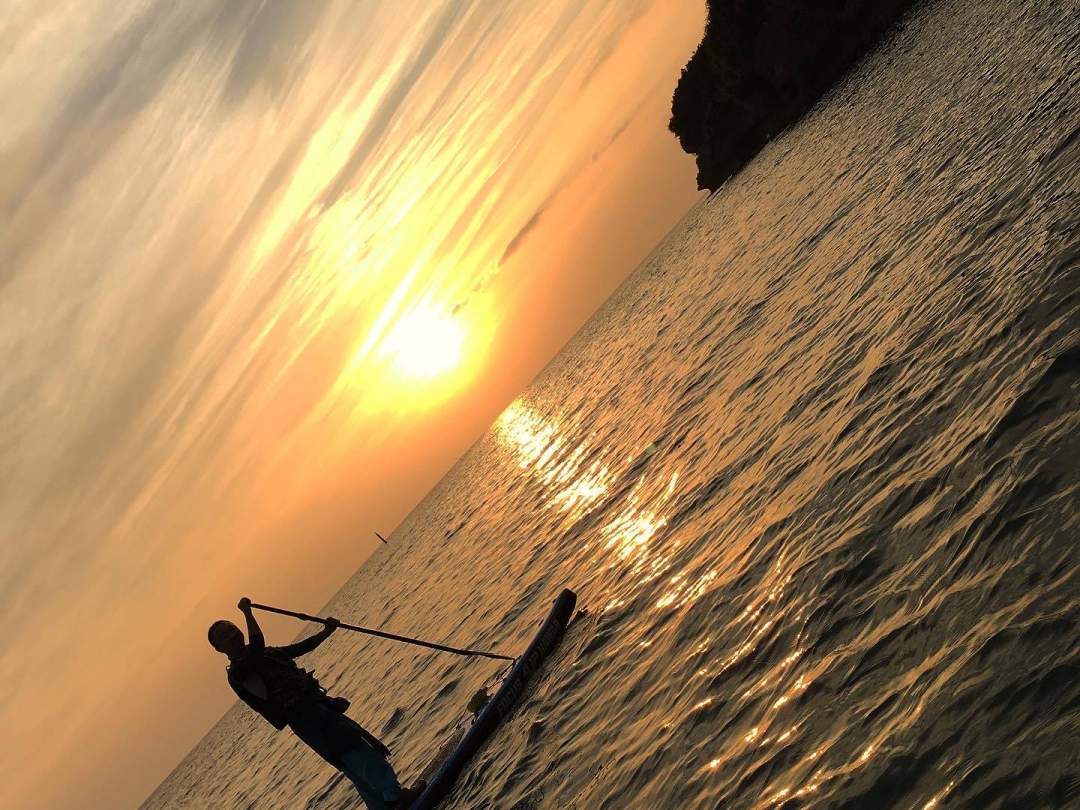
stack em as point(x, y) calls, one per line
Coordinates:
point(760, 66)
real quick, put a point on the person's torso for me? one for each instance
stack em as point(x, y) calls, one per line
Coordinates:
point(278, 680)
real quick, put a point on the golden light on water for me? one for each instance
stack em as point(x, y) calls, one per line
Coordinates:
point(684, 591)
point(538, 444)
point(574, 485)
point(632, 531)
point(586, 490)
point(936, 800)
point(528, 434)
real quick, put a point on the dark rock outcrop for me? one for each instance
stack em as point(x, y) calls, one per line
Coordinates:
point(760, 66)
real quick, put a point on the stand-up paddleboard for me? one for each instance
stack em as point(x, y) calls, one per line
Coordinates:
point(501, 704)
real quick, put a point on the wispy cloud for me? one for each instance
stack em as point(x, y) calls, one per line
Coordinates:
point(395, 96)
point(526, 229)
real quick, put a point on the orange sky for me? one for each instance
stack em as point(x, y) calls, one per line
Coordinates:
point(268, 270)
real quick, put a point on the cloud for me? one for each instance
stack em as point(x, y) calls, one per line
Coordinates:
point(111, 424)
point(392, 101)
point(270, 44)
point(526, 229)
point(261, 43)
point(523, 233)
point(531, 224)
point(632, 11)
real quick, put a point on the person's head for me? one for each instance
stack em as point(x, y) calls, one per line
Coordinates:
point(226, 637)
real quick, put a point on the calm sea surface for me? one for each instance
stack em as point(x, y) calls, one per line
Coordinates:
point(814, 472)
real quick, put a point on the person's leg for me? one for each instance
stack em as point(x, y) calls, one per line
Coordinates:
point(372, 776)
point(362, 761)
point(343, 743)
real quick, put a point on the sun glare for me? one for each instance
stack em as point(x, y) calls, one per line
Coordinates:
point(426, 342)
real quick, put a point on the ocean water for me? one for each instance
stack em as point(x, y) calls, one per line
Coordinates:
point(814, 472)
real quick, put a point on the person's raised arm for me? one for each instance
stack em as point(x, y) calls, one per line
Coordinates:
point(256, 642)
point(310, 643)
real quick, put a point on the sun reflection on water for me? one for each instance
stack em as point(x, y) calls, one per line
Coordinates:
point(635, 527)
point(587, 489)
point(685, 592)
point(540, 446)
point(573, 481)
point(528, 433)
point(777, 688)
point(936, 800)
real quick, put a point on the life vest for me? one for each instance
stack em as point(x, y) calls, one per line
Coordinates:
point(271, 683)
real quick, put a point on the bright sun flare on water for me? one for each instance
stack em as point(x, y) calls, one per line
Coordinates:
point(425, 343)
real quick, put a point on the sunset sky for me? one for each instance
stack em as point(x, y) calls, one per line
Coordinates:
point(266, 270)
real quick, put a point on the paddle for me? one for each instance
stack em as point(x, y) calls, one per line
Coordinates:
point(382, 634)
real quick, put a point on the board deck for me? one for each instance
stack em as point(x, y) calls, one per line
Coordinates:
point(501, 704)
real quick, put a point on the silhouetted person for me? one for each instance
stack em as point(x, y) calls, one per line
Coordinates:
point(269, 681)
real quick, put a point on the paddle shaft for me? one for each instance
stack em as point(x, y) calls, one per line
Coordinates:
point(382, 634)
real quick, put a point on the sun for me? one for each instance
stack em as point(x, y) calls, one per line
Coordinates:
point(426, 342)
